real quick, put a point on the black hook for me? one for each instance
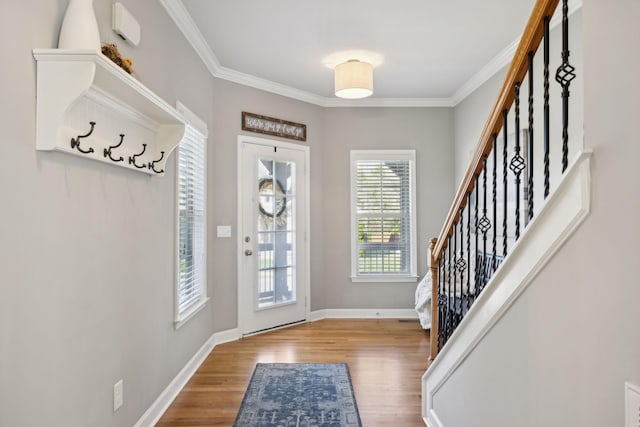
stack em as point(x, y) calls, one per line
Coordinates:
point(107, 151)
point(75, 142)
point(152, 165)
point(132, 159)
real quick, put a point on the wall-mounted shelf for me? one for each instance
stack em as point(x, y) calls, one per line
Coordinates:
point(88, 106)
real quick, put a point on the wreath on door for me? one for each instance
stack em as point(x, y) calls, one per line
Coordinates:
point(278, 204)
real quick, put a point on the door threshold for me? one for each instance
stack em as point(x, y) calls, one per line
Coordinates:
point(275, 328)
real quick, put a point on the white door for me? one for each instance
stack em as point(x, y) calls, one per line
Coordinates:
point(272, 263)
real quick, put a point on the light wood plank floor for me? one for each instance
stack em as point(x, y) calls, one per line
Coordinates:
point(386, 358)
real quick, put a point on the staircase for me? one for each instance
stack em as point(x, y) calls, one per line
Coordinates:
point(525, 192)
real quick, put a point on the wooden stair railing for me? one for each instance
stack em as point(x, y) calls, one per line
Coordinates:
point(449, 305)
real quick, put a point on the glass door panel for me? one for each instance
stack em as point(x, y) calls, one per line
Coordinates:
point(276, 284)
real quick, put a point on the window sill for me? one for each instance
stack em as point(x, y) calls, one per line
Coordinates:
point(384, 279)
point(177, 324)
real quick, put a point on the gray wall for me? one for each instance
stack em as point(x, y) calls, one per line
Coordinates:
point(229, 101)
point(86, 252)
point(427, 130)
point(562, 353)
point(87, 248)
point(470, 116)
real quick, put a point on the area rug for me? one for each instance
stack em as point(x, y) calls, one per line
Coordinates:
point(300, 395)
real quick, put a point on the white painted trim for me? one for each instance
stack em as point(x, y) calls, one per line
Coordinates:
point(363, 313)
point(560, 216)
point(408, 155)
point(307, 219)
point(385, 279)
point(164, 400)
point(227, 336)
point(186, 24)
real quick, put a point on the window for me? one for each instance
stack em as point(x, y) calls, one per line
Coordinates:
point(191, 289)
point(383, 244)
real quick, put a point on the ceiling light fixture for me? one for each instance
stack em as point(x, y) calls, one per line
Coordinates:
point(353, 79)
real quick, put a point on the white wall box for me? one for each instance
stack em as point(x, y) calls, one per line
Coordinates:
point(90, 107)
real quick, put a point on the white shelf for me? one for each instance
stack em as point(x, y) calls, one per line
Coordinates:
point(76, 87)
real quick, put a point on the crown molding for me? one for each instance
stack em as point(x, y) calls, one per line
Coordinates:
point(188, 27)
point(389, 102)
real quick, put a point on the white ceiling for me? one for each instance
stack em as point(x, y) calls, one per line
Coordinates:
point(427, 52)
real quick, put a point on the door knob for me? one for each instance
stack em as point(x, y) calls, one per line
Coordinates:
point(248, 252)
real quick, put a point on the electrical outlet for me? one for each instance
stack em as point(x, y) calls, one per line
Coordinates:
point(118, 395)
point(632, 405)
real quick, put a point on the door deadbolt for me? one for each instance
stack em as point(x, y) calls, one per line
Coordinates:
point(247, 239)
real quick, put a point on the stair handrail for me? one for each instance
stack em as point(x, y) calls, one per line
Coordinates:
point(529, 42)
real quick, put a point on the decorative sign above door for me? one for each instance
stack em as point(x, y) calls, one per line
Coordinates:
point(272, 126)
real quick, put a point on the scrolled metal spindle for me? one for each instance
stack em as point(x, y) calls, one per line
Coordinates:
point(441, 301)
point(517, 162)
point(564, 75)
point(495, 196)
point(455, 277)
point(449, 314)
point(505, 139)
point(461, 264)
point(468, 251)
point(477, 225)
point(530, 141)
point(485, 223)
point(546, 105)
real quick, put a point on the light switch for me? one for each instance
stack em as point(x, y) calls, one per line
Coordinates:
point(632, 405)
point(224, 231)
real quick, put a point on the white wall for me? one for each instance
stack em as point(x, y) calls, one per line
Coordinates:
point(561, 354)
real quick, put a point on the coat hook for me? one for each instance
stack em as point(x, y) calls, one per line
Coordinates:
point(75, 142)
point(107, 151)
point(132, 159)
point(152, 165)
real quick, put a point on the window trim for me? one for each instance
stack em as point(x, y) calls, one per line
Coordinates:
point(198, 125)
point(407, 154)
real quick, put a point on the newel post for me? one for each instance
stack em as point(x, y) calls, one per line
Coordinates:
point(434, 301)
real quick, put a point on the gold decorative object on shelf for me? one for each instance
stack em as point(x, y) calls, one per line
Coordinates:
point(110, 50)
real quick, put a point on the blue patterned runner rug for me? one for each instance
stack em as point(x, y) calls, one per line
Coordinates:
point(299, 395)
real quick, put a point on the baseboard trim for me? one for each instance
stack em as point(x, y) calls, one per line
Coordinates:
point(168, 395)
point(558, 219)
point(363, 313)
point(227, 336)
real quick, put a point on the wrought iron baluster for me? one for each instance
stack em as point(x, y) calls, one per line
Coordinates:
point(468, 299)
point(455, 276)
point(505, 138)
point(449, 313)
point(461, 264)
point(546, 106)
point(564, 75)
point(485, 223)
point(441, 301)
point(477, 225)
point(530, 141)
point(517, 162)
point(495, 197)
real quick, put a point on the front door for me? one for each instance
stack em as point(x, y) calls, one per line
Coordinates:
point(273, 248)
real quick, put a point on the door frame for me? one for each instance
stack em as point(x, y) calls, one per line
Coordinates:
point(242, 275)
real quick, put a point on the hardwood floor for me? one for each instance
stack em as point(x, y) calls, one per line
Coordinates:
point(386, 358)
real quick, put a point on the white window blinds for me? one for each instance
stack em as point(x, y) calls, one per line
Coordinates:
point(383, 213)
point(191, 250)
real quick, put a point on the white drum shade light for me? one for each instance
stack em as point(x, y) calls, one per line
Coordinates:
point(353, 79)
